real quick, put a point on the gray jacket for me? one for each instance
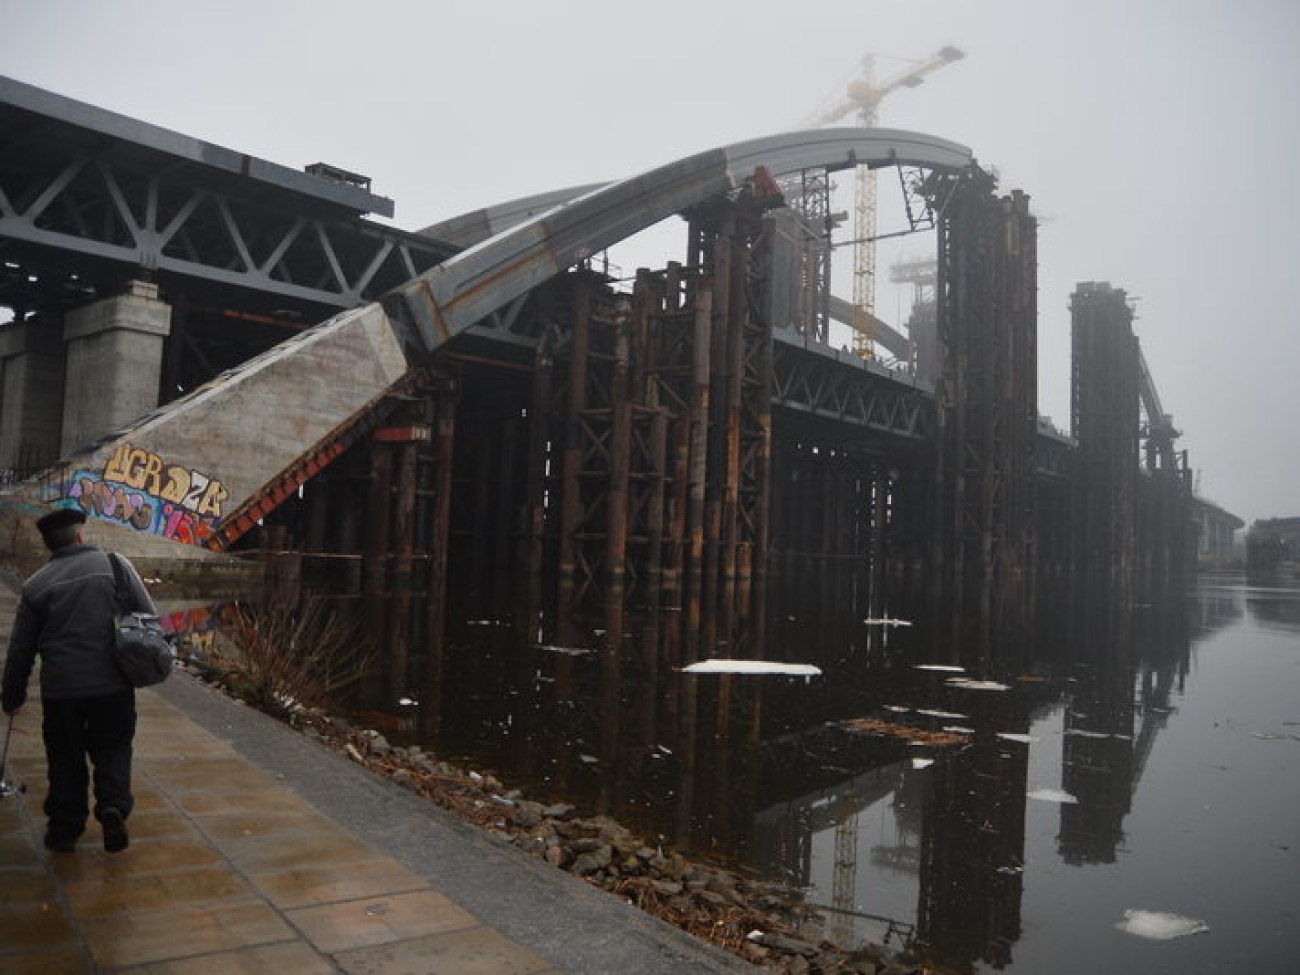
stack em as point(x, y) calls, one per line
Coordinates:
point(66, 616)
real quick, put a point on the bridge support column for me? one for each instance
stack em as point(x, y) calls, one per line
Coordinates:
point(31, 394)
point(986, 398)
point(1105, 412)
point(114, 362)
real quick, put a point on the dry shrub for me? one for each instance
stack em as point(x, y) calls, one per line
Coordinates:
point(293, 659)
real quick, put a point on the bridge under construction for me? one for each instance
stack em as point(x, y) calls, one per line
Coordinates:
point(246, 382)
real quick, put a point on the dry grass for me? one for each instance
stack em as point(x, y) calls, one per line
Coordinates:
point(287, 659)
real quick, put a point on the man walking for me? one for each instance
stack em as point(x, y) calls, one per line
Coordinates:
point(66, 616)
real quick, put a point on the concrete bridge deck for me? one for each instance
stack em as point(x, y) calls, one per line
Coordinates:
point(255, 849)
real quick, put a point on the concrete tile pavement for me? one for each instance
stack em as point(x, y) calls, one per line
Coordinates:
point(254, 850)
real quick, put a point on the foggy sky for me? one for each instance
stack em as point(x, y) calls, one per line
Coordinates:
point(1156, 138)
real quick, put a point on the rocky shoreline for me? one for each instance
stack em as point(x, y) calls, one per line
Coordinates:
point(765, 924)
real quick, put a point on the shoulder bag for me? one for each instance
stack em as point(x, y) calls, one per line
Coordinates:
point(142, 649)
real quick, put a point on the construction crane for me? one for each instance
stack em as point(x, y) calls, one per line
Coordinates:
point(864, 96)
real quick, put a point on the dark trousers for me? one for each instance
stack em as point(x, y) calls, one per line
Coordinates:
point(102, 729)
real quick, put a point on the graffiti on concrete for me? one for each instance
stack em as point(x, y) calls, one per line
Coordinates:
point(198, 630)
point(146, 471)
point(140, 490)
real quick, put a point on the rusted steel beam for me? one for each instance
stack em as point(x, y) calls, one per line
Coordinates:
point(397, 648)
point(697, 469)
point(674, 383)
point(478, 498)
point(570, 500)
point(506, 489)
point(616, 510)
point(724, 447)
point(439, 536)
point(374, 567)
point(655, 589)
point(760, 378)
point(534, 541)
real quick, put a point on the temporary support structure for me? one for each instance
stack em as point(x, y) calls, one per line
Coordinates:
point(986, 398)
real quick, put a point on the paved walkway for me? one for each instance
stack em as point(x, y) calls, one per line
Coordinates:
point(257, 850)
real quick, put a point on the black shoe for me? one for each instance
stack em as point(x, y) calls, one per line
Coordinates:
point(116, 838)
point(60, 844)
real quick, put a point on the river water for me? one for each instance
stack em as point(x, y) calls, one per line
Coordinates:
point(999, 810)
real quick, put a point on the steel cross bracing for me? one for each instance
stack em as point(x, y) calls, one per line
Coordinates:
point(150, 222)
point(89, 198)
point(828, 387)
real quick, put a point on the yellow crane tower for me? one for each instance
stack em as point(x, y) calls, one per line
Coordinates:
point(865, 95)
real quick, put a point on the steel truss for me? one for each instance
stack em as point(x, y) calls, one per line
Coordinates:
point(844, 391)
point(141, 215)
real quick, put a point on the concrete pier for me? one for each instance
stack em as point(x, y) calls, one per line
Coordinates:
point(31, 393)
point(114, 363)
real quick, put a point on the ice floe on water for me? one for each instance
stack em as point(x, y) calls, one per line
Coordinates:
point(950, 715)
point(885, 621)
point(1051, 795)
point(944, 668)
point(919, 763)
point(957, 729)
point(1159, 925)
point(897, 708)
point(1013, 736)
point(976, 685)
point(724, 666)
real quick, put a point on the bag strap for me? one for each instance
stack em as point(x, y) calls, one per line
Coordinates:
point(124, 598)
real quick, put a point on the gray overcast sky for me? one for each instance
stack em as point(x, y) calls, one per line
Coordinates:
point(1157, 138)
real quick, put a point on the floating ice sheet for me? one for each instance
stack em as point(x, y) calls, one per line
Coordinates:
point(1052, 795)
point(1013, 736)
point(1160, 925)
point(949, 715)
point(977, 685)
point(723, 666)
point(885, 621)
point(943, 668)
point(919, 763)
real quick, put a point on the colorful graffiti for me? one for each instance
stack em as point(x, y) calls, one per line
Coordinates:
point(198, 630)
point(140, 490)
point(201, 619)
point(146, 471)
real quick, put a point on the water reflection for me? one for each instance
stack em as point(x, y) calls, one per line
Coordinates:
point(894, 791)
point(915, 834)
point(1274, 608)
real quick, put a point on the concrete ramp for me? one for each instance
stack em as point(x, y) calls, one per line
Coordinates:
point(173, 480)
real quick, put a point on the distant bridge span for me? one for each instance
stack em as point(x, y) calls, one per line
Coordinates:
point(956, 476)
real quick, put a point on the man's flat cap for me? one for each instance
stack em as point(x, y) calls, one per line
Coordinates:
point(62, 518)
